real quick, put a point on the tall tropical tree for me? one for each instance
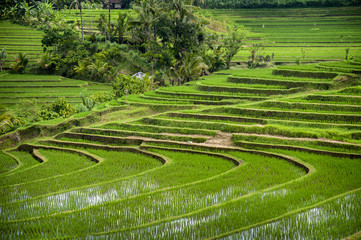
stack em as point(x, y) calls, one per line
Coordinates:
point(190, 67)
point(109, 2)
point(78, 4)
point(121, 26)
point(147, 13)
point(98, 68)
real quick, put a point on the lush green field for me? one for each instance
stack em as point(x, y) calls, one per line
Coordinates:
point(323, 34)
point(16, 38)
point(284, 153)
point(241, 154)
point(17, 89)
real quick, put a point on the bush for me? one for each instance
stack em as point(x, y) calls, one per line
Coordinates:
point(45, 114)
point(131, 85)
point(62, 107)
point(101, 97)
point(81, 108)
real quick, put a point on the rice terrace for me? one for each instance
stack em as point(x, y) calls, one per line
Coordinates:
point(204, 119)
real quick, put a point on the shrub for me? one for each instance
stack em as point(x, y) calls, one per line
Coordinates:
point(81, 108)
point(101, 97)
point(45, 114)
point(131, 85)
point(62, 107)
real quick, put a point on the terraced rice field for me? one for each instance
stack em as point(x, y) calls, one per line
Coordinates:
point(15, 88)
point(90, 17)
point(17, 38)
point(323, 33)
point(252, 154)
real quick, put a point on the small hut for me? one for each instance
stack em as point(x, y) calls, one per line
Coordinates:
point(114, 4)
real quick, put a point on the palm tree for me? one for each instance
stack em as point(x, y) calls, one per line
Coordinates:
point(8, 121)
point(121, 26)
point(98, 68)
point(21, 61)
point(3, 57)
point(109, 2)
point(44, 61)
point(146, 14)
point(78, 4)
point(191, 68)
point(181, 9)
point(82, 68)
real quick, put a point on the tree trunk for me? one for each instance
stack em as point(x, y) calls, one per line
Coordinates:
point(81, 18)
point(109, 18)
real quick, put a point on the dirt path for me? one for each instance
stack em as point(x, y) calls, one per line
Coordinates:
point(222, 139)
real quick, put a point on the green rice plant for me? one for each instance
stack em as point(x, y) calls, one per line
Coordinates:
point(308, 74)
point(243, 140)
point(57, 163)
point(112, 141)
point(349, 91)
point(138, 99)
point(267, 73)
point(246, 212)
point(117, 164)
point(289, 115)
point(203, 102)
point(200, 193)
point(284, 82)
point(352, 100)
point(249, 90)
point(155, 129)
point(336, 218)
point(123, 133)
point(7, 163)
point(191, 163)
point(213, 117)
point(192, 93)
point(309, 107)
point(26, 160)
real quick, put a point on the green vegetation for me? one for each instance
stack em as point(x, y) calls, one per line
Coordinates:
point(244, 148)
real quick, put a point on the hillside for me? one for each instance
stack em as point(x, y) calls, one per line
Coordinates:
point(306, 35)
point(16, 38)
point(242, 153)
point(268, 149)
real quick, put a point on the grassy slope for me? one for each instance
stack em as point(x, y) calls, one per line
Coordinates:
point(183, 190)
point(326, 33)
point(16, 89)
point(16, 38)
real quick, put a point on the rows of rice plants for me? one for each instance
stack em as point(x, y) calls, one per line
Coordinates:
point(16, 88)
point(335, 218)
point(7, 163)
point(56, 163)
point(261, 207)
point(117, 165)
point(326, 33)
point(281, 165)
point(259, 141)
point(130, 197)
point(16, 38)
point(198, 194)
